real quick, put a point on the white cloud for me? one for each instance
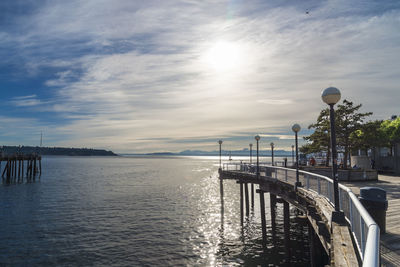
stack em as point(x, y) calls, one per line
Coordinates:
point(26, 101)
point(144, 74)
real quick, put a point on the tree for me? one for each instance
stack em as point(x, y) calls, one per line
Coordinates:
point(319, 140)
point(348, 120)
point(370, 135)
point(391, 132)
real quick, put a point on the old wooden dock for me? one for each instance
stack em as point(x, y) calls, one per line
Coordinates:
point(18, 168)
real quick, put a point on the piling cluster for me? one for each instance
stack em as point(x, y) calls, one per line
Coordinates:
point(20, 167)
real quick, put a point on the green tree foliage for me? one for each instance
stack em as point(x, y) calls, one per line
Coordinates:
point(348, 120)
point(369, 135)
point(391, 130)
point(319, 140)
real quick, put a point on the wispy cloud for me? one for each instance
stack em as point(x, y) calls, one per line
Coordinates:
point(135, 76)
point(26, 101)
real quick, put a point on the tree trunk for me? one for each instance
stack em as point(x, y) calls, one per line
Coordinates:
point(345, 158)
point(328, 156)
point(346, 155)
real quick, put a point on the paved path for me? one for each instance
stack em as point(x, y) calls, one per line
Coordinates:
point(390, 242)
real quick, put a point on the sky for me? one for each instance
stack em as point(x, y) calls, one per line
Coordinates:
point(165, 75)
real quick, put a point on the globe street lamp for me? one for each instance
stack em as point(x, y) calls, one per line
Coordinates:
point(257, 137)
point(251, 151)
point(220, 143)
point(331, 96)
point(272, 153)
point(296, 128)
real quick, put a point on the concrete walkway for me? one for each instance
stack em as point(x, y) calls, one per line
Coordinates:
point(390, 241)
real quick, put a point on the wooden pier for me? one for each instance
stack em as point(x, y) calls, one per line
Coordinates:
point(352, 242)
point(20, 167)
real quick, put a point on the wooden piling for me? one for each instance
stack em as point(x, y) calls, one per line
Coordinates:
point(241, 203)
point(8, 170)
point(311, 239)
point(246, 194)
point(19, 168)
point(263, 221)
point(221, 192)
point(286, 227)
point(252, 195)
point(272, 198)
point(40, 167)
point(12, 168)
point(4, 171)
point(22, 169)
point(34, 166)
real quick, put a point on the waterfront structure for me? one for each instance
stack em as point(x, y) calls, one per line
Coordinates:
point(315, 200)
point(14, 168)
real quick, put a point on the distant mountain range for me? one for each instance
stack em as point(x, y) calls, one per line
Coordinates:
point(59, 151)
point(63, 151)
point(243, 152)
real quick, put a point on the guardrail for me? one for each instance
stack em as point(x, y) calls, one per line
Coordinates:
point(364, 229)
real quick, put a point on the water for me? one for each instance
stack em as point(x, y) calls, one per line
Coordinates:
point(117, 211)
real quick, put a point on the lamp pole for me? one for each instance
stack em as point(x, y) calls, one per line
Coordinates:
point(220, 151)
point(293, 154)
point(272, 153)
point(331, 96)
point(251, 151)
point(257, 137)
point(296, 128)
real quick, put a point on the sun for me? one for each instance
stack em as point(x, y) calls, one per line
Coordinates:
point(224, 56)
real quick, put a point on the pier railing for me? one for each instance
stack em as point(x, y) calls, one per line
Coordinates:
point(364, 229)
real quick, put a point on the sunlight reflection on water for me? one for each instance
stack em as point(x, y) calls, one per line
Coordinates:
point(133, 211)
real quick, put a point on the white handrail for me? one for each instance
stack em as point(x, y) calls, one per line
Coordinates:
point(368, 247)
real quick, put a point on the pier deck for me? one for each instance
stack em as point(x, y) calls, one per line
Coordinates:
point(390, 241)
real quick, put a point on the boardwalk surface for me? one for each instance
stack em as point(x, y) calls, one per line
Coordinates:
point(390, 242)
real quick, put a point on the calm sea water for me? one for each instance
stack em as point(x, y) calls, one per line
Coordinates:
point(120, 211)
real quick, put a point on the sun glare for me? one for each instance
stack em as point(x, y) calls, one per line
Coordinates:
point(224, 56)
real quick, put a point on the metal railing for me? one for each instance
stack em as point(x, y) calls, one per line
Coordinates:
point(364, 229)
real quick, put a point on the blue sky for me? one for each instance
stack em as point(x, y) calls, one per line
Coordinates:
point(144, 76)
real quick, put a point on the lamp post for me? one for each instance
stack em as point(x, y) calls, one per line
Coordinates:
point(272, 153)
point(293, 154)
point(331, 96)
point(220, 151)
point(257, 137)
point(296, 128)
point(251, 151)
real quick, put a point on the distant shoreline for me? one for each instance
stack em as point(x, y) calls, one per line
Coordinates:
point(56, 151)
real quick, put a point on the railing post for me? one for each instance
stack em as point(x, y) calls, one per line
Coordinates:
point(308, 181)
point(286, 178)
point(319, 185)
point(276, 174)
